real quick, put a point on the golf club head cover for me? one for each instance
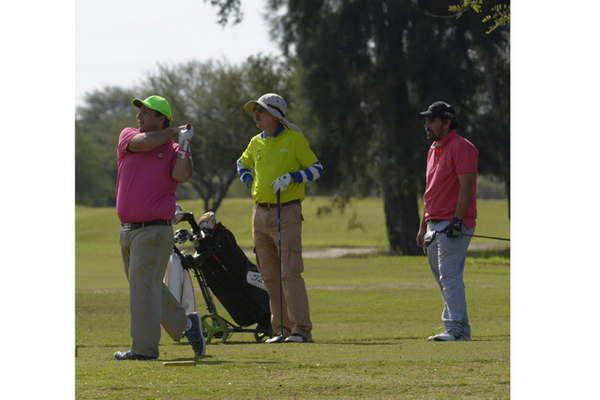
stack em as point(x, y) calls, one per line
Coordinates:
point(428, 238)
point(208, 220)
point(455, 229)
point(281, 184)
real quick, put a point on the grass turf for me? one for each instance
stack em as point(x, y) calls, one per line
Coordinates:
point(371, 317)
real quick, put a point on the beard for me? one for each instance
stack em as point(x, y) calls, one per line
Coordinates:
point(430, 135)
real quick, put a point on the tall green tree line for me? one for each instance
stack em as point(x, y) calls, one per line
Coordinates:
point(208, 94)
point(368, 67)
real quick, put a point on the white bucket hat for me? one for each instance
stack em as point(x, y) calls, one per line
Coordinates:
point(275, 105)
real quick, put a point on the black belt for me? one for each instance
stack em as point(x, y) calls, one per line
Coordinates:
point(271, 205)
point(137, 225)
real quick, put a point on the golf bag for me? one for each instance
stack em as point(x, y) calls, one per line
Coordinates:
point(222, 269)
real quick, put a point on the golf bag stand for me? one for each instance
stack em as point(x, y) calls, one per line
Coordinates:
point(222, 269)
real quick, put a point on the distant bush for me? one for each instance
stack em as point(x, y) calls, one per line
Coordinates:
point(490, 188)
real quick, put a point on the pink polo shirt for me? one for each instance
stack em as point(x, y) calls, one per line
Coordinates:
point(145, 189)
point(448, 158)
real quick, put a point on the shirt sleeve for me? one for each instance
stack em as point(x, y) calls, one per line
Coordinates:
point(465, 159)
point(246, 161)
point(304, 153)
point(124, 138)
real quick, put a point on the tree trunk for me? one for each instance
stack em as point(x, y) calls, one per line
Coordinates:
point(507, 187)
point(401, 217)
point(223, 189)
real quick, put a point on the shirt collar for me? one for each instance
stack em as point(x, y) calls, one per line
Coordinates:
point(440, 143)
point(279, 129)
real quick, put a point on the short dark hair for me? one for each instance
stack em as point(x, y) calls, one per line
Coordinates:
point(166, 121)
point(453, 123)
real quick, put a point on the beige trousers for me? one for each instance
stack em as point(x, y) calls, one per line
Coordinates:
point(145, 254)
point(294, 302)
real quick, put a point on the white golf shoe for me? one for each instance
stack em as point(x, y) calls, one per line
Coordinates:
point(447, 337)
point(298, 338)
point(275, 339)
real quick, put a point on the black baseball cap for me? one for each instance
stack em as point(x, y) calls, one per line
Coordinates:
point(439, 109)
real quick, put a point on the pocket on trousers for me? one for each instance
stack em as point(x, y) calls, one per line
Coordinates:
point(292, 261)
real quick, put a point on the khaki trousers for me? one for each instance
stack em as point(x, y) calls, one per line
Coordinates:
point(145, 254)
point(296, 318)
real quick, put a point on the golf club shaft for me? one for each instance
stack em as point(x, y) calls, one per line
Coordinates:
point(487, 237)
point(480, 236)
point(280, 262)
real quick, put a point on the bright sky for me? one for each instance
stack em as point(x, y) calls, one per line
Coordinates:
point(119, 42)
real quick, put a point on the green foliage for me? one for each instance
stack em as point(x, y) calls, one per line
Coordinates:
point(475, 5)
point(229, 10)
point(497, 14)
point(365, 68)
point(99, 121)
point(93, 176)
point(211, 96)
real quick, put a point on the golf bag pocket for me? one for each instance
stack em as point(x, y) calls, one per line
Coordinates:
point(255, 279)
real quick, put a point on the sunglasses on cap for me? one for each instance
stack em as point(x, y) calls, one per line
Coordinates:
point(259, 109)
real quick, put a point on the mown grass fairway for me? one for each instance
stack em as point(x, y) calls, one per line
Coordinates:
point(371, 318)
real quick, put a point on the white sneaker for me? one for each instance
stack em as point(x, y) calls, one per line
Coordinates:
point(297, 338)
point(275, 339)
point(447, 337)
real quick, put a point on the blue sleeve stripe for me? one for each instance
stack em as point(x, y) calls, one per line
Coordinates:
point(319, 167)
point(304, 177)
point(314, 172)
point(296, 176)
point(240, 167)
point(308, 173)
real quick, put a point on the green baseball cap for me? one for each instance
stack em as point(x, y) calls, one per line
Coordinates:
point(156, 103)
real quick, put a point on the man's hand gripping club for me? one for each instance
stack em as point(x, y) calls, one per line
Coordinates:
point(185, 137)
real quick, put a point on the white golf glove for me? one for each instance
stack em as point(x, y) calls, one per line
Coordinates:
point(281, 184)
point(185, 137)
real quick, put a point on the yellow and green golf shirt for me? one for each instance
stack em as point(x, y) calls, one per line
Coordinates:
point(268, 157)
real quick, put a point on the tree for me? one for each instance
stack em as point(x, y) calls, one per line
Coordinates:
point(211, 96)
point(497, 13)
point(368, 67)
point(93, 176)
point(98, 123)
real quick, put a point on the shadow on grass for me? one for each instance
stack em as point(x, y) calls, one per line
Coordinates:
point(488, 253)
point(204, 360)
point(395, 341)
point(220, 342)
point(491, 338)
point(477, 253)
point(90, 346)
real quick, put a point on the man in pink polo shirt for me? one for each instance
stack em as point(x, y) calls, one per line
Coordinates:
point(151, 161)
point(450, 210)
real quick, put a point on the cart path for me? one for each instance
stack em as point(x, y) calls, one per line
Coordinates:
point(338, 252)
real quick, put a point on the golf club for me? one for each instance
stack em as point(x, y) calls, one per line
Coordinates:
point(486, 237)
point(280, 262)
point(430, 235)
